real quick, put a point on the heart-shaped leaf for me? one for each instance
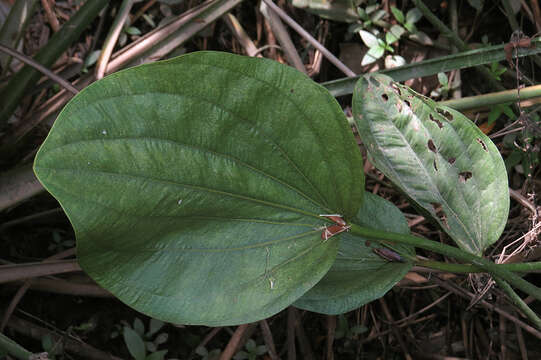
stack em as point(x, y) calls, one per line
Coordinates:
point(195, 185)
point(359, 275)
point(437, 157)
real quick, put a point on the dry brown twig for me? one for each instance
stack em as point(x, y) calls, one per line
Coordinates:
point(22, 290)
point(51, 17)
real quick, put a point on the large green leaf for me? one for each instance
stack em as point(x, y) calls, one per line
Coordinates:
point(437, 157)
point(195, 185)
point(358, 275)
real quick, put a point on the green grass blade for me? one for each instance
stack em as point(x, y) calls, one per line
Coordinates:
point(461, 60)
point(59, 42)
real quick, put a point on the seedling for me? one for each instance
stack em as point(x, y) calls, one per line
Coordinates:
point(406, 25)
point(252, 351)
point(208, 355)
point(143, 345)
point(54, 349)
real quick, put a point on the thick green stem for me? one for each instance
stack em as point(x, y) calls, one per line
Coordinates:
point(462, 60)
point(468, 268)
point(450, 251)
point(517, 300)
point(492, 99)
point(13, 349)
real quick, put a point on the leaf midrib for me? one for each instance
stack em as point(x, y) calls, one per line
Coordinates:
point(231, 158)
point(416, 157)
point(189, 186)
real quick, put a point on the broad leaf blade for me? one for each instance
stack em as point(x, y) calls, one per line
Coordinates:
point(358, 275)
point(437, 157)
point(194, 185)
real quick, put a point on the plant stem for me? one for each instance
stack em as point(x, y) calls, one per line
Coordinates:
point(492, 99)
point(468, 268)
point(508, 10)
point(13, 348)
point(462, 60)
point(517, 300)
point(112, 36)
point(451, 251)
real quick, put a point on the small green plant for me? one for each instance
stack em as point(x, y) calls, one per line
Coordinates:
point(143, 344)
point(54, 349)
point(377, 45)
point(218, 189)
point(501, 109)
point(59, 243)
point(370, 18)
point(523, 146)
point(252, 351)
point(208, 355)
point(496, 70)
point(445, 87)
point(343, 330)
point(407, 25)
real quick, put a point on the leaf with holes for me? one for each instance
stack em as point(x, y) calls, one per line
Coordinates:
point(437, 157)
point(195, 185)
point(359, 275)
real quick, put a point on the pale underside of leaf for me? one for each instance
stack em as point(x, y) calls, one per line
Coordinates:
point(437, 157)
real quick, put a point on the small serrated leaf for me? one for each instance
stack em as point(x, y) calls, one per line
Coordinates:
point(161, 338)
point(378, 15)
point(92, 58)
point(398, 14)
point(376, 52)
point(250, 345)
point(397, 30)
point(150, 346)
point(132, 30)
point(421, 38)
point(442, 78)
point(155, 326)
point(371, 8)
point(413, 15)
point(138, 326)
point(158, 355)
point(201, 351)
point(368, 38)
point(149, 20)
point(390, 37)
point(392, 61)
point(260, 350)
point(134, 342)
